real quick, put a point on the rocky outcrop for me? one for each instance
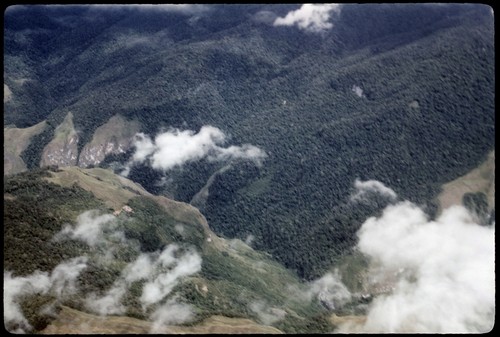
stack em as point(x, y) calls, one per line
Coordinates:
point(114, 137)
point(63, 148)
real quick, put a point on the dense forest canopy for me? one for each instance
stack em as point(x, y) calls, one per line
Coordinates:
point(398, 93)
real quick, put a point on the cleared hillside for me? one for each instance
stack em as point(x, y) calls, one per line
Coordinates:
point(479, 180)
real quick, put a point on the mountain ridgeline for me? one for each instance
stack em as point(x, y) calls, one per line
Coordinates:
point(398, 93)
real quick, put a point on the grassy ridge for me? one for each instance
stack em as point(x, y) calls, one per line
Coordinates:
point(232, 277)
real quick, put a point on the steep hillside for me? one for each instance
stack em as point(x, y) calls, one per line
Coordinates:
point(62, 149)
point(16, 140)
point(156, 263)
point(398, 93)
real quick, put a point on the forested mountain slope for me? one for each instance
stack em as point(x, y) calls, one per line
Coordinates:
point(85, 249)
point(402, 94)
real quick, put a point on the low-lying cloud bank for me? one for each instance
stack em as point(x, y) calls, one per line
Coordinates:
point(309, 17)
point(175, 147)
point(445, 272)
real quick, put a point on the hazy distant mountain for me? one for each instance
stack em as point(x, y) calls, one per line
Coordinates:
point(286, 126)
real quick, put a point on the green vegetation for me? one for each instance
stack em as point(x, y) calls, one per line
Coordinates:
point(36, 211)
point(426, 117)
point(232, 276)
point(154, 228)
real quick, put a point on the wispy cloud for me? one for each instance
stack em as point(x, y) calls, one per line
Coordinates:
point(172, 312)
point(64, 276)
point(13, 290)
point(267, 315)
point(89, 228)
point(358, 91)
point(161, 271)
point(162, 284)
point(327, 290)
point(310, 17)
point(174, 148)
point(60, 283)
point(111, 302)
point(366, 188)
point(446, 272)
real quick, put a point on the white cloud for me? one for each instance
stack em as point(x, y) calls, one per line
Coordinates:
point(110, 303)
point(161, 285)
point(143, 147)
point(170, 313)
point(267, 315)
point(167, 257)
point(64, 276)
point(162, 272)
point(174, 148)
point(89, 228)
point(364, 188)
point(249, 239)
point(59, 283)
point(309, 17)
point(14, 288)
point(141, 268)
point(358, 91)
point(328, 290)
point(447, 283)
point(246, 151)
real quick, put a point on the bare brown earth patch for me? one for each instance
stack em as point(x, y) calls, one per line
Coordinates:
point(337, 320)
point(480, 179)
point(71, 321)
point(15, 142)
